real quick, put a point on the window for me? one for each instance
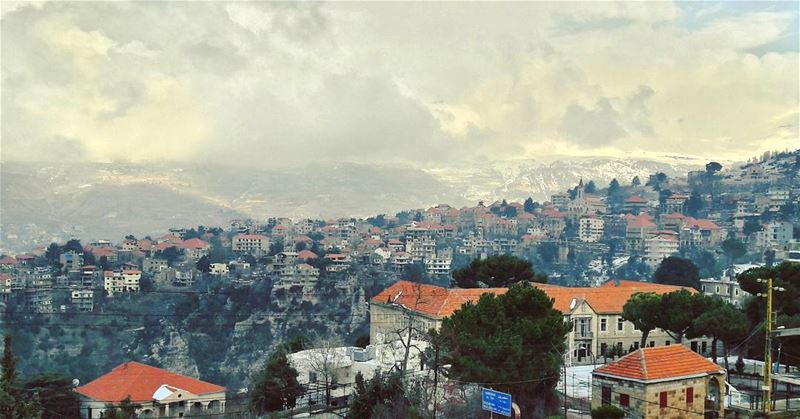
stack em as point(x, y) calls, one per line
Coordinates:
point(694, 346)
point(635, 345)
point(606, 396)
point(662, 400)
point(624, 400)
point(620, 324)
point(603, 324)
point(689, 396)
point(736, 292)
point(717, 289)
point(652, 344)
point(603, 349)
point(666, 343)
point(703, 347)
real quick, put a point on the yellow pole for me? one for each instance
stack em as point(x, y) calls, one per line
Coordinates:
point(768, 352)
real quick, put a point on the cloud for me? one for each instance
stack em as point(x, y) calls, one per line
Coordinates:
point(428, 83)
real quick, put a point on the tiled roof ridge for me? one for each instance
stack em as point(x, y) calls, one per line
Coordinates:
point(643, 363)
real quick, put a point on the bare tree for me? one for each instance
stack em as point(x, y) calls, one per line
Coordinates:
point(412, 327)
point(326, 359)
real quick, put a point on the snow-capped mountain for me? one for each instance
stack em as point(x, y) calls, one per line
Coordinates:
point(53, 202)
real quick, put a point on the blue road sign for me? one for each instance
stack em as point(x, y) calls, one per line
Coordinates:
point(496, 402)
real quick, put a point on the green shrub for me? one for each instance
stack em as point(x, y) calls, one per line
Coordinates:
point(607, 412)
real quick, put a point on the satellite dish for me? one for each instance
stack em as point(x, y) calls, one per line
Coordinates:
point(573, 303)
point(76, 382)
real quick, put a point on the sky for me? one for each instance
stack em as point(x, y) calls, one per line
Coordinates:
point(277, 84)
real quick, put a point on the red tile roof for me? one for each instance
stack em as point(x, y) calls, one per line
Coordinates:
point(8, 260)
point(193, 244)
point(307, 254)
point(660, 363)
point(140, 381)
point(441, 302)
point(636, 199)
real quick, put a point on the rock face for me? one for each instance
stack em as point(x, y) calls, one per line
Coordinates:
point(172, 353)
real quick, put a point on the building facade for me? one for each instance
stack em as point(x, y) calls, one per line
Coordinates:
point(663, 382)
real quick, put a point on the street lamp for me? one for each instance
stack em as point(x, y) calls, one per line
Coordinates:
point(767, 387)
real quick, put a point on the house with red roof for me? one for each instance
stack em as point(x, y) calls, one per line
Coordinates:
point(634, 204)
point(194, 248)
point(160, 393)
point(596, 313)
point(663, 382)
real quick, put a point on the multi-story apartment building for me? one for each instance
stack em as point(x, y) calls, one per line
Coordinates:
point(339, 262)
point(439, 266)
point(82, 300)
point(5, 287)
point(71, 261)
point(774, 234)
point(590, 229)
point(284, 262)
point(121, 281)
point(153, 266)
point(596, 314)
point(421, 248)
point(254, 244)
point(660, 246)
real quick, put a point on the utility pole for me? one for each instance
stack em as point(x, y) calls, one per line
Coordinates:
point(767, 384)
point(768, 352)
point(565, 389)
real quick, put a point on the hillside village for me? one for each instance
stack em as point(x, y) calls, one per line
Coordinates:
point(239, 290)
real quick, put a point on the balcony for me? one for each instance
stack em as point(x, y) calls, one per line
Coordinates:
point(583, 335)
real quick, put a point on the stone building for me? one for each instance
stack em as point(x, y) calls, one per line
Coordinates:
point(663, 382)
point(158, 393)
point(596, 313)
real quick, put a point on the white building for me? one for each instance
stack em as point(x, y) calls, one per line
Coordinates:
point(439, 266)
point(659, 247)
point(121, 281)
point(82, 300)
point(219, 269)
point(590, 229)
point(778, 233)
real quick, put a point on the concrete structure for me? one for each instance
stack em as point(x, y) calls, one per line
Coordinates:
point(726, 289)
point(71, 261)
point(218, 269)
point(660, 246)
point(121, 281)
point(160, 393)
point(82, 300)
point(590, 229)
point(255, 244)
point(664, 382)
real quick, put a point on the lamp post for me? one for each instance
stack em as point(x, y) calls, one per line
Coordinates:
point(767, 386)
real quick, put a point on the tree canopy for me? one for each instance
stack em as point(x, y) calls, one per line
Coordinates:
point(517, 337)
point(496, 271)
point(713, 167)
point(678, 311)
point(55, 395)
point(275, 387)
point(721, 321)
point(677, 271)
point(643, 310)
point(384, 396)
point(734, 249)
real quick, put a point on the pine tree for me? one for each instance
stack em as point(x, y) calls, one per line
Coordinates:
point(8, 364)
